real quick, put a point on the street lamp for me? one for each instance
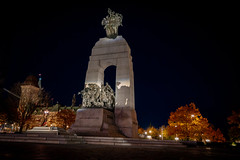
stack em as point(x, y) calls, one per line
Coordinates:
point(46, 112)
point(162, 133)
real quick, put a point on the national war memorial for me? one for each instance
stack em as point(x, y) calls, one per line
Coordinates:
point(105, 113)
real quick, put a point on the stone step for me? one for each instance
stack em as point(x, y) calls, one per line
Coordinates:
point(127, 141)
point(67, 139)
point(40, 138)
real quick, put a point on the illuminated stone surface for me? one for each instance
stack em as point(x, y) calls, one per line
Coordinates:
point(111, 23)
point(105, 53)
point(94, 96)
point(47, 130)
point(96, 122)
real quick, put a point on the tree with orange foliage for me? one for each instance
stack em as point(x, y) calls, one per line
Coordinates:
point(153, 132)
point(3, 118)
point(65, 118)
point(163, 132)
point(234, 121)
point(187, 123)
point(140, 130)
point(213, 135)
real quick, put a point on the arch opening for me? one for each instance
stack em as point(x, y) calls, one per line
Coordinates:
point(110, 77)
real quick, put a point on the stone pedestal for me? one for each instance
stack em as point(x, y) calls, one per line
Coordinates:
point(95, 122)
point(126, 120)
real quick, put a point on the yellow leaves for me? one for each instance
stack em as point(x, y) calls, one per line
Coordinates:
point(65, 118)
point(140, 130)
point(187, 123)
point(3, 118)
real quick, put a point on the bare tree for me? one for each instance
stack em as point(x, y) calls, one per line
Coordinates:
point(12, 102)
point(29, 104)
point(31, 97)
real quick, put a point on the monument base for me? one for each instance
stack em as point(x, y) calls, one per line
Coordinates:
point(95, 122)
point(126, 120)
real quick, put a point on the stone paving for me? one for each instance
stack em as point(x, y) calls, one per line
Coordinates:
point(15, 150)
point(48, 146)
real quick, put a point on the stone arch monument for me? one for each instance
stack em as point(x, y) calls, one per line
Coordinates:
point(105, 53)
point(114, 50)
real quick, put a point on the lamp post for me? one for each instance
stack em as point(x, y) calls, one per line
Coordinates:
point(162, 132)
point(46, 112)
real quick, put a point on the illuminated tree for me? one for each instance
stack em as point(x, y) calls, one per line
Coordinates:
point(213, 135)
point(140, 130)
point(25, 111)
point(153, 132)
point(187, 123)
point(234, 121)
point(64, 118)
point(31, 97)
point(168, 133)
point(163, 131)
point(218, 136)
point(35, 121)
point(3, 118)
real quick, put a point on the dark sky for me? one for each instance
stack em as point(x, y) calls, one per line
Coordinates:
point(181, 53)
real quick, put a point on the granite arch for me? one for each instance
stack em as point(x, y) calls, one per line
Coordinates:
point(105, 53)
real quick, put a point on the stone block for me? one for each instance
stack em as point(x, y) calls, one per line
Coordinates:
point(94, 121)
point(126, 120)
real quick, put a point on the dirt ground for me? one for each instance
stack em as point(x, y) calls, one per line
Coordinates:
point(99, 152)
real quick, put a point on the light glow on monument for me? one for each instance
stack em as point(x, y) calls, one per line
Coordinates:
point(123, 83)
point(111, 23)
point(126, 101)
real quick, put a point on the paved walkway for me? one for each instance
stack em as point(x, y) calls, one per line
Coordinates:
point(16, 150)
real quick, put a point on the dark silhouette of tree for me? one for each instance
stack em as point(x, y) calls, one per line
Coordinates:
point(234, 121)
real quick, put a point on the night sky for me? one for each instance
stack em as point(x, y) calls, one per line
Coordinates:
point(181, 53)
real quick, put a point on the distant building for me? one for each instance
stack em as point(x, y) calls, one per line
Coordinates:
point(43, 114)
point(29, 90)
